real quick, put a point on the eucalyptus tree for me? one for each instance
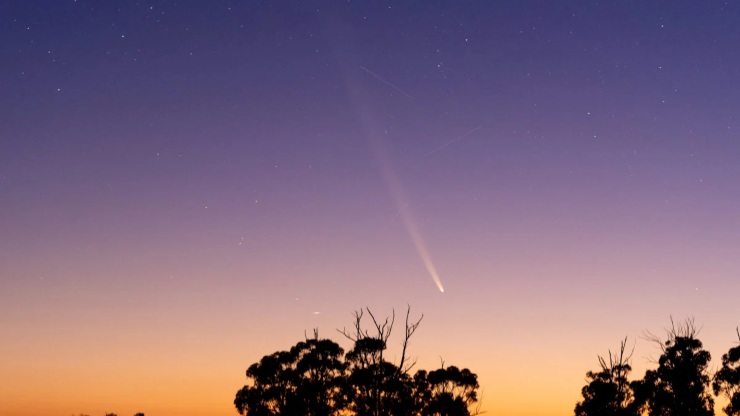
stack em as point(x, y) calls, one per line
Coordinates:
point(727, 379)
point(316, 378)
point(609, 392)
point(680, 384)
point(307, 379)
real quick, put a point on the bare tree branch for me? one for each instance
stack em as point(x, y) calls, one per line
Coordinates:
point(358, 328)
point(410, 329)
point(686, 329)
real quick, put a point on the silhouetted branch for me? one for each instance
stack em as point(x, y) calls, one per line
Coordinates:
point(410, 329)
point(315, 377)
point(358, 328)
point(687, 329)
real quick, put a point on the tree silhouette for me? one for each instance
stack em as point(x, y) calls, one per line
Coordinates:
point(305, 380)
point(446, 391)
point(727, 379)
point(375, 386)
point(680, 384)
point(316, 378)
point(608, 392)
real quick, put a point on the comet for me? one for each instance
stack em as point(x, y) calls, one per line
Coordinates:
point(404, 210)
point(395, 188)
point(409, 223)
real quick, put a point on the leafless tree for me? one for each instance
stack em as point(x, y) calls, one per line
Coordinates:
point(382, 332)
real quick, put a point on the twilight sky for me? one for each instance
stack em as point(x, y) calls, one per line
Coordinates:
point(186, 186)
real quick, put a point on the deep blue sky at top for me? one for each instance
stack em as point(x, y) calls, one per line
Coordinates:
point(113, 105)
point(221, 91)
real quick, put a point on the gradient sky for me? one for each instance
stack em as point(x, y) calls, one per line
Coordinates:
point(186, 186)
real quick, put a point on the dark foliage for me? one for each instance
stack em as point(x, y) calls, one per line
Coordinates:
point(680, 384)
point(446, 391)
point(306, 380)
point(727, 380)
point(678, 387)
point(609, 392)
point(316, 378)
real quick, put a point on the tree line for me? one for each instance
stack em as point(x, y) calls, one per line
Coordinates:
point(317, 378)
point(681, 385)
